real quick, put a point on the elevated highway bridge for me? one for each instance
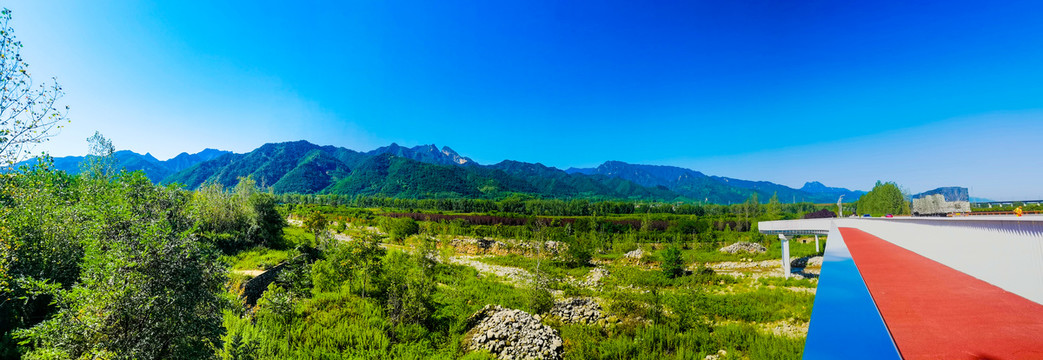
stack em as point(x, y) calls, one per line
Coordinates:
point(925, 288)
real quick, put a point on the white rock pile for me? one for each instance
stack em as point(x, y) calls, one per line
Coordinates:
point(807, 261)
point(636, 254)
point(744, 247)
point(593, 279)
point(577, 310)
point(511, 334)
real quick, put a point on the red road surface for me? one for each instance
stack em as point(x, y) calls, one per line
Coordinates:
point(936, 312)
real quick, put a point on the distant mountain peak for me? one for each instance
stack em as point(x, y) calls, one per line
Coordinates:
point(459, 160)
point(150, 158)
point(425, 153)
point(814, 186)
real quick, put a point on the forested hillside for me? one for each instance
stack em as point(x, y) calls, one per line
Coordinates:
point(153, 168)
point(715, 189)
point(427, 172)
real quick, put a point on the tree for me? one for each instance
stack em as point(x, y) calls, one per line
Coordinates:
point(401, 228)
point(408, 290)
point(147, 287)
point(237, 219)
point(28, 112)
point(540, 299)
point(39, 246)
point(316, 224)
point(751, 207)
point(774, 207)
point(885, 198)
point(101, 159)
point(580, 250)
point(672, 261)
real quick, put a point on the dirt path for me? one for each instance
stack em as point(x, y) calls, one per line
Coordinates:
point(251, 273)
point(515, 276)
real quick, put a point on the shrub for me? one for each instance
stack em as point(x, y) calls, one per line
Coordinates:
point(400, 228)
point(579, 252)
point(408, 290)
point(540, 300)
point(672, 261)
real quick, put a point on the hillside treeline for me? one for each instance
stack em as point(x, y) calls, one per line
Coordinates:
point(527, 205)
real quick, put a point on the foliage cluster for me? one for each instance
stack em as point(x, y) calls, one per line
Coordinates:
point(109, 265)
point(885, 198)
point(238, 219)
point(525, 205)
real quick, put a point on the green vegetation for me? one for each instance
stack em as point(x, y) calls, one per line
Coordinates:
point(106, 264)
point(135, 246)
point(672, 262)
point(303, 168)
point(885, 198)
point(258, 258)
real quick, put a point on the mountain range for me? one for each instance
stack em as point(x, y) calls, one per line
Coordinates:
point(154, 169)
point(426, 171)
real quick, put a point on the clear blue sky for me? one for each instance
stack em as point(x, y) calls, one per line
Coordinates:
point(926, 94)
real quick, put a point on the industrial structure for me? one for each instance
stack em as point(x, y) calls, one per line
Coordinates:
point(941, 202)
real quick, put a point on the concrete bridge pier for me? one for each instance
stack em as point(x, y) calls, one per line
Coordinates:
point(785, 254)
point(816, 243)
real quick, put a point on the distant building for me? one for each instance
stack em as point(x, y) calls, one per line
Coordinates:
point(941, 201)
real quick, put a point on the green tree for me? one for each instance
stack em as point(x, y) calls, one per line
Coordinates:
point(40, 248)
point(101, 160)
point(29, 113)
point(147, 287)
point(751, 208)
point(774, 206)
point(317, 223)
point(672, 261)
point(579, 250)
point(402, 228)
point(885, 198)
point(237, 219)
point(408, 290)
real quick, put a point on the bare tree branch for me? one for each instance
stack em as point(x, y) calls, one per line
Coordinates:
point(29, 114)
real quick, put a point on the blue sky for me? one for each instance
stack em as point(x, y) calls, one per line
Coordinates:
point(926, 94)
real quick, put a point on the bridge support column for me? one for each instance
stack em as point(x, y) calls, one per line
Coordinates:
point(816, 243)
point(785, 255)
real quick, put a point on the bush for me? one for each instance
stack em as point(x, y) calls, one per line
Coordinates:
point(540, 300)
point(407, 290)
point(400, 228)
point(672, 261)
point(238, 219)
point(147, 287)
point(579, 252)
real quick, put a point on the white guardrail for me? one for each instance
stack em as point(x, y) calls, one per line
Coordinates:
point(1005, 251)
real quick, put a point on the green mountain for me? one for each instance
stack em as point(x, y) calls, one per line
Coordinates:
point(715, 189)
point(154, 169)
point(298, 166)
point(429, 172)
point(418, 172)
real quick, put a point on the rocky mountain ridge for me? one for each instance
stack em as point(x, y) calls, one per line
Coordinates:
point(427, 171)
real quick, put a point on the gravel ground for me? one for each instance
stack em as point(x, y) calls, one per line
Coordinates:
point(756, 269)
point(513, 275)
